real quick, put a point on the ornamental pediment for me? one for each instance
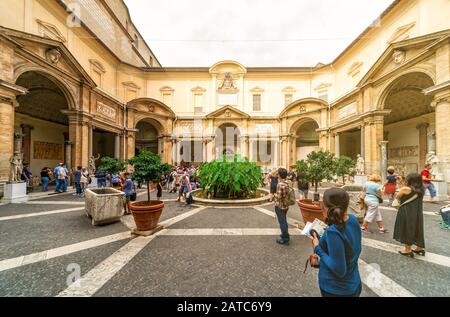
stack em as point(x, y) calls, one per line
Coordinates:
point(228, 112)
point(152, 107)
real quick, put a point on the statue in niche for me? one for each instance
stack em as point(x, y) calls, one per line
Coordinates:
point(227, 82)
point(16, 167)
point(360, 165)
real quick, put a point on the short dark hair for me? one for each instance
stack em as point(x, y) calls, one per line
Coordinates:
point(414, 181)
point(79, 167)
point(282, 172)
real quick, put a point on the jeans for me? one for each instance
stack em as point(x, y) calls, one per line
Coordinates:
point(58, 185)
point(431, 189)
point(281, 215)
point(101, 183)
point(45, 181)
point(356, 294)
point(445, 217)
point(63, 185)
point(78, 188)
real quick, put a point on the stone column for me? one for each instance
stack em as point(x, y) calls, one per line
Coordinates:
point(431, 141)
point(131, 144)
point(117, 146)
point(442, 106)
point(68, 153)
point(18, 139)
point(91, 141)
point(423, 146)
point(384, 160)
point(26, 144)
point(6, 136)
point(251, 150)
point(337, 145)
point(363, 143)
point(275, 156)
point(178, 150)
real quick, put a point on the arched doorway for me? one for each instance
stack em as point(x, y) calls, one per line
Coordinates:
point(306, 139)
point(410, 127)
point(146, 137)
point(227, 141)
point(40, 121)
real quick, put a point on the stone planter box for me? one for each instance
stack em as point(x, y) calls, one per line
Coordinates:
point(105, 205)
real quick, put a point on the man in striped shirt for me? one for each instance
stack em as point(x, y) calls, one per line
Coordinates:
point(282, 206)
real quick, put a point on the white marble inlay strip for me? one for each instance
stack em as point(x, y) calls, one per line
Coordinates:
point(54, 203)
point(92, 281)
point(225, 232)
point(429, 257)
point(57, 252)
point(37, 214)
point(379, 283)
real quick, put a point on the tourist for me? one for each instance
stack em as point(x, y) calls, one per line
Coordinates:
point(339, 248)
point(409, 223)
point(45, 178)
point(426, 180)
point(77, 179)
point(159, 188)
point(26, 174)
point(273, 181)
point(61, 175)
point(390, 185)
point(303, 185)
point(100, 175)
point(185, 187)
point(175, 182)
point(84, 181)
point(373, 199)
point(291, 176)
point(56, 172)
point(66, 178)
point(282, 206)
point(128, 189)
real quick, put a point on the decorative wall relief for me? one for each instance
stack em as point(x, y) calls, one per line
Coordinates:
point(106, 111)
point(404, 152)
point(47, 151)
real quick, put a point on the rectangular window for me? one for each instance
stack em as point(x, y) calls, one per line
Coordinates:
point(256, 102)
point(288, 98)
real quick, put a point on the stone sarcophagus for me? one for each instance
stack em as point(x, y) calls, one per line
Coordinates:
point(104, 205)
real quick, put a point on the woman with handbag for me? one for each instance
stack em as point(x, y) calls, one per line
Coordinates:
point(409, 222)
point(339, 248)
point(373, 198)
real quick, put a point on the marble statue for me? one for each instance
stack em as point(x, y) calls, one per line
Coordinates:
point(434, 161)
point(360, 165)
point(92, 160)
point(16, 167)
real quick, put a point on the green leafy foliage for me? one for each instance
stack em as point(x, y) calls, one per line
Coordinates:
point(112, 165)
point(230, 177)
point(317, 167)
point(148, 168)
point(344, 166)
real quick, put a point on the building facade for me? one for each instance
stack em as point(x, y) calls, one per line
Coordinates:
point(77, 80)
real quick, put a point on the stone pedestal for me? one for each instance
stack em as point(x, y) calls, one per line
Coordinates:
point(361, 180)
point(441, 191)
point(104, 206)
point(15, 193)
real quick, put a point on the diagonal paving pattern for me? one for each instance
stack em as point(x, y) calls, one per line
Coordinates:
point(206, 251)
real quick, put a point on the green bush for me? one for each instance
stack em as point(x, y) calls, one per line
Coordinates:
point(230, 177)
point(111, 166)
point(148, 168)
point(317, 167)
point(344, 166)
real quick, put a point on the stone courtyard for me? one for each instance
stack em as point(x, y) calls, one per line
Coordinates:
point(48, 242)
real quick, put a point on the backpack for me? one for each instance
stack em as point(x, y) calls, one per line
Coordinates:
point(289, 199)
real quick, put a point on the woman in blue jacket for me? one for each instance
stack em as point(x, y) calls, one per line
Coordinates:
point(339, 248)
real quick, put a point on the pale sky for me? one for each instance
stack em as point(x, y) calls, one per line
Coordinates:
point(252, 32)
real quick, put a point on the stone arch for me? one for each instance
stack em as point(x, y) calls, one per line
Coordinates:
point(306, 137)
point(297, 124)
point(387, 86)
point(289, 110)
point(69, 92)
point(227, 138)
point(148, 134)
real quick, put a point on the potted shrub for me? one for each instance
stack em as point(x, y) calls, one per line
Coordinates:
point(317, 167)
point(111, 166)
point(344, 166)
point(147, 169)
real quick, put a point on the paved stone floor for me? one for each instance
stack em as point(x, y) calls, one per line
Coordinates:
point(202, 251)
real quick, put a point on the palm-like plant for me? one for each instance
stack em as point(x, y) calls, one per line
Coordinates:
point(231, 177)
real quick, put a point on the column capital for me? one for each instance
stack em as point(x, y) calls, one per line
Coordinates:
point(423, 125)
point(9, 92)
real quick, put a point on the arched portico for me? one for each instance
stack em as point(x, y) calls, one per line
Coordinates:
point(150, 126)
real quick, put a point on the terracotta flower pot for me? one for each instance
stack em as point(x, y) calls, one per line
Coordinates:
point(311, 210)
point(146, 216)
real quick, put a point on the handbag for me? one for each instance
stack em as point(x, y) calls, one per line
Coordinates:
point(133, 196)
